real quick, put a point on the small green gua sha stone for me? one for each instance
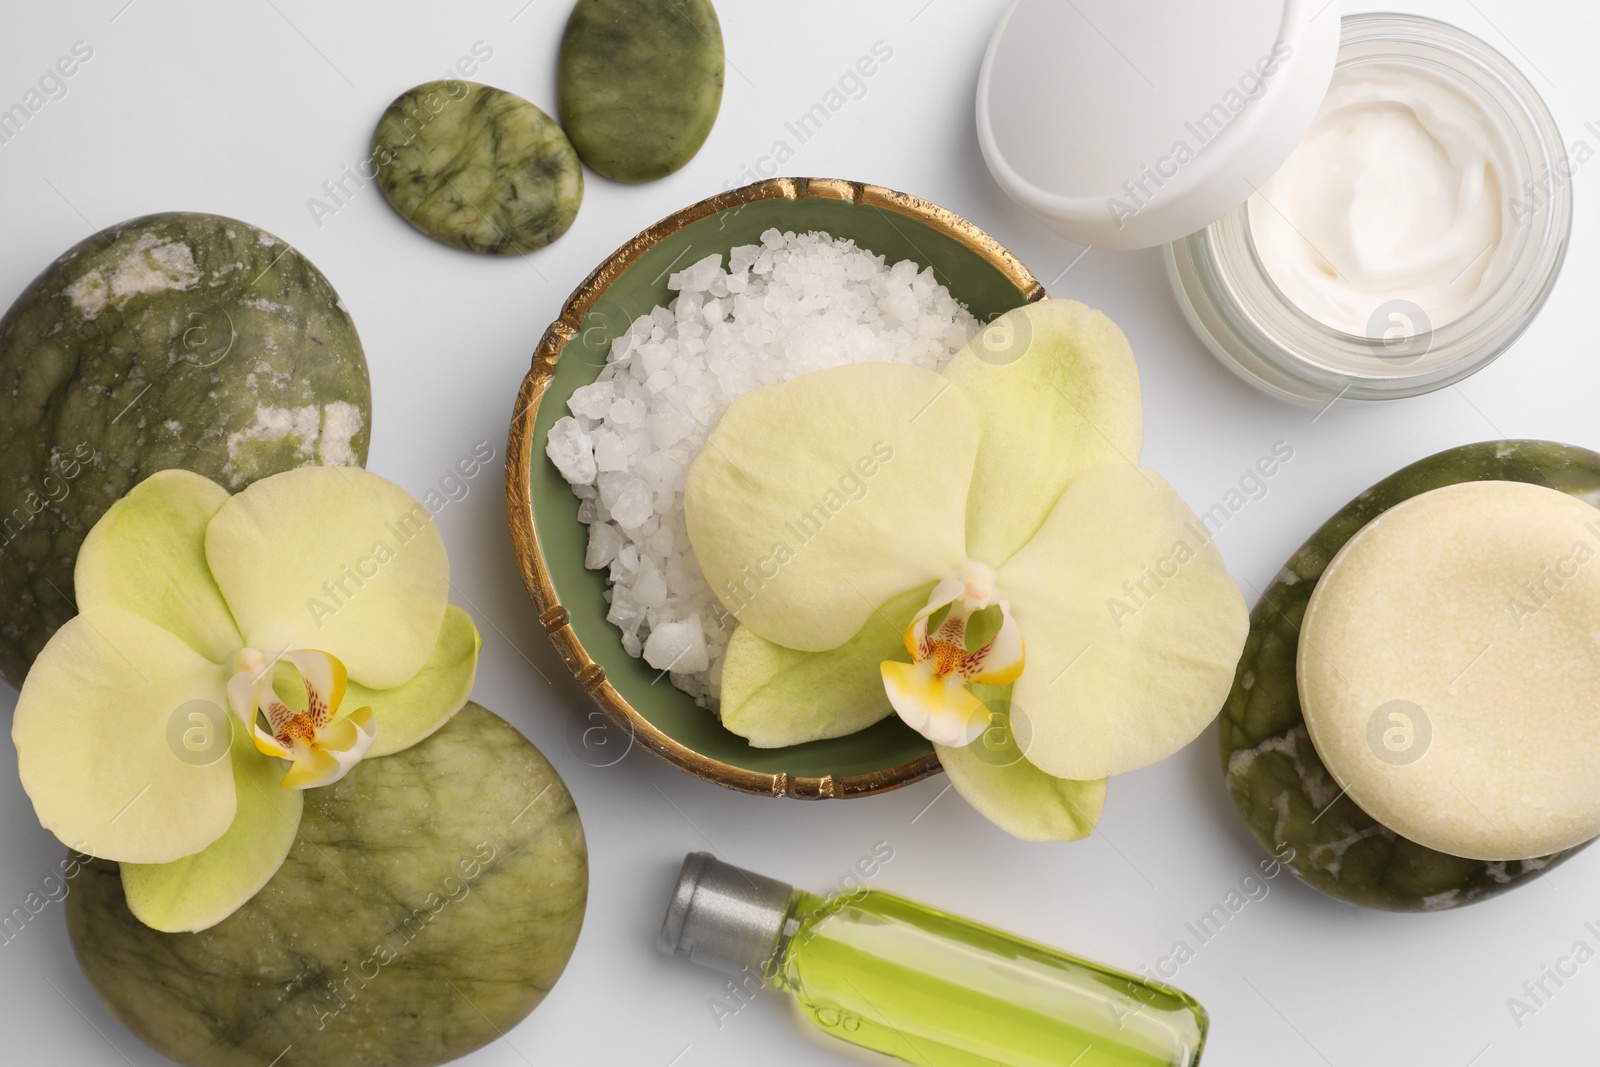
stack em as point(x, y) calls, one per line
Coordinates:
point(173, 340)
point(430, 902)
point(640, 84)
point(477, 168)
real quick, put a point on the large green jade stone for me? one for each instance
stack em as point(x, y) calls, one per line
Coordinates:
point(640, 84)
point(173, 340)
point(429, 903)
point(1279, 783)
point(478, 168)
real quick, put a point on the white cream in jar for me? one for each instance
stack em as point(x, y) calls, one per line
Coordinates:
point(1392, 213)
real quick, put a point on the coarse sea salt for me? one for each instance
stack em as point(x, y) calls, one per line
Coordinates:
point(792, 304)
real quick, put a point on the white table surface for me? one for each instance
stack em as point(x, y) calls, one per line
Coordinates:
point(245, 109)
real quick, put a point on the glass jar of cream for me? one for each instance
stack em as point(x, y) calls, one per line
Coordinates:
point(1370, 209)
point(1408, 240)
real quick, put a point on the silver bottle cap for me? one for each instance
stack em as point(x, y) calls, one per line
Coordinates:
point(724, 917)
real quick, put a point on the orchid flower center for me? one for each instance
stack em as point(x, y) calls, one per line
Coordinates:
point(320, 739)
point(930, 693)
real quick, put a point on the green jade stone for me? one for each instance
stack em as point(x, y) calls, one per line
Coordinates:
point(1280, 784)
point(640, 84)
point(477, 168)
point(173, 340)
point(430, 902)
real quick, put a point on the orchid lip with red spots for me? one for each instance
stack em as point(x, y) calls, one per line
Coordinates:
point(930, 693)
point(323, 741)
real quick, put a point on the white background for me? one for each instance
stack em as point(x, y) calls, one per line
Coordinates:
point(245, 109)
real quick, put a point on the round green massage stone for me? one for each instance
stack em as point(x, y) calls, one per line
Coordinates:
point(640, 83)
point(1279, 782)
point(172, 340)
point(477, 168)
point(431, 900)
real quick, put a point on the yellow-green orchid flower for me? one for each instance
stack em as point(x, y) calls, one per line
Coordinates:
point(312, 606)
point(977, 550)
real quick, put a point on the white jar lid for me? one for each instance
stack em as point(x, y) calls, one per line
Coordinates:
point(1128, 125)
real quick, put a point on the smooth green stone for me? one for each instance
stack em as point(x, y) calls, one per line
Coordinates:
point(477, 168)
point(173, 340)
point(431, 900)
point(1278, 781)
point(640, 84)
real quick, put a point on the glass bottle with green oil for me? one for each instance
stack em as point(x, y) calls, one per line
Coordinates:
point(928, 988)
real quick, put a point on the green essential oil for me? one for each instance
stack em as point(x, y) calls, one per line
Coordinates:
point(925, 987)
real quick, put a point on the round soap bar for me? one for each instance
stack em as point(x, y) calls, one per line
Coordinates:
point(431, 900)
point(1279, 783)
point(1449, 668)
point(477, 168)
point(640, 83)
point(173, 340)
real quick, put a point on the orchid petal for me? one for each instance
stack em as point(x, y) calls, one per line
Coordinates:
point(818, 499)
point(94, 734)
point(415, 709)
point(243, 702)
point(937, 707)
point(147, 555)
point(352, 734)
point(1134, 627)
point(1057, 392)
point(776, 697)
point(942, 595)
point(333, 558)
point(201, 890)
point(312, 768)
point(1003, 657)
point(994, 775)
point(325, 681)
